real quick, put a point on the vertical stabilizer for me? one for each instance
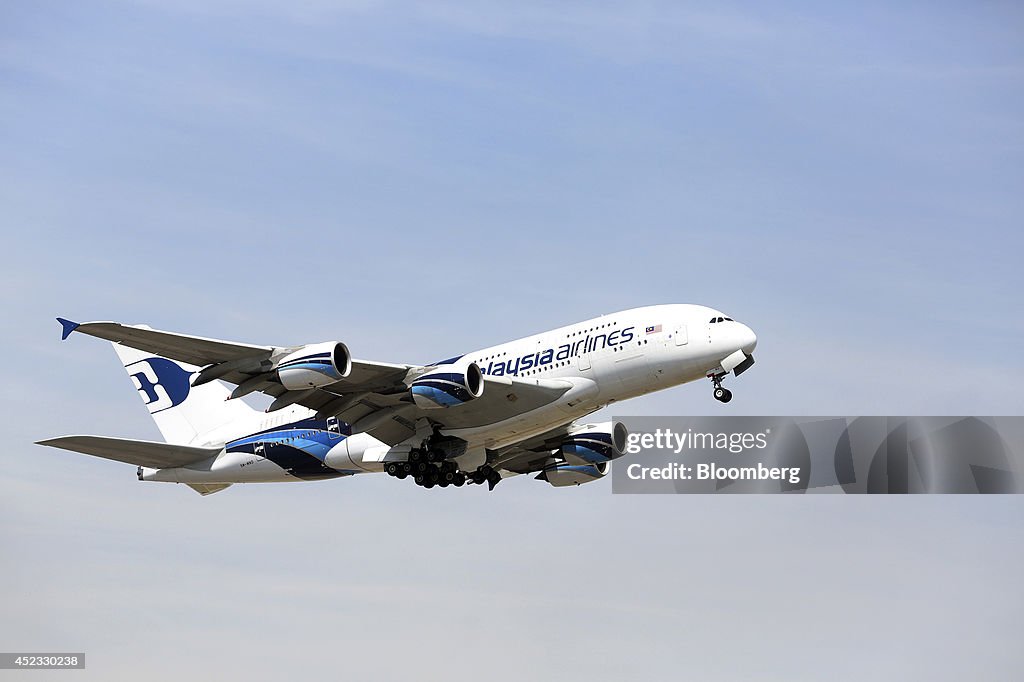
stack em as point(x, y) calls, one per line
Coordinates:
point(181, 411)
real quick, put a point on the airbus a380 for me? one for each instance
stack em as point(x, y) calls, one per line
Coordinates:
point(509, 409)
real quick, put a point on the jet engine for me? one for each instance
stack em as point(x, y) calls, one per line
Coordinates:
point(561, 475)
point(447, 386)
point(314, 365)
point(595, 443)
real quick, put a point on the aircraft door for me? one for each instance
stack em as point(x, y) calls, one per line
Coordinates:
point(584, 361)
point(680, 335)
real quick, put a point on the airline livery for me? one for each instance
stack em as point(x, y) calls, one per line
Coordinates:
point(510, 409)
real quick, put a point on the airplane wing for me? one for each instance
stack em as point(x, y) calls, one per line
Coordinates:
point(391, 418)
point(374, 397)
point(201, 352)
point(140, 452)
point(195, 350)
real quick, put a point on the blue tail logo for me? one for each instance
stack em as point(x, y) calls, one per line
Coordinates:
point(162, 383)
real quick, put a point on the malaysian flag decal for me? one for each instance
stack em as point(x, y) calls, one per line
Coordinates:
point(654, 330)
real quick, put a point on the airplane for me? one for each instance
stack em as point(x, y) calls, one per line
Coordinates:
point(511, 409)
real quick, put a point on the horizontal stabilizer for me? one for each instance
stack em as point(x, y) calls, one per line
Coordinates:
point(139, 452)
point(208, 488)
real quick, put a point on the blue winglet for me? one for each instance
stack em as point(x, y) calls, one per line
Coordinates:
point(68, 327)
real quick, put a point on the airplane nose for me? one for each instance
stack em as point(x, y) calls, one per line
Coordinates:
point(748, 339)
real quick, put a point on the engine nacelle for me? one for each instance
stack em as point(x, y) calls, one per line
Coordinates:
point(595, 443)
point(448, 386)
point(561, 475)
point(315, 365)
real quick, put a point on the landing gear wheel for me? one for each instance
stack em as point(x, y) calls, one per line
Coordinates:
point(416, 456)
point(722, 395)
point(392, 468)
point(460, 480)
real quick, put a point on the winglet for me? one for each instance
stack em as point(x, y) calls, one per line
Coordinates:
point(67, 327)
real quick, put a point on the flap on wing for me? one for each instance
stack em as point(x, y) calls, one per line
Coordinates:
point(195, 350)
point(139, 452)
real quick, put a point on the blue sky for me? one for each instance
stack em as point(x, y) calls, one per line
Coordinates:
point(419, 181)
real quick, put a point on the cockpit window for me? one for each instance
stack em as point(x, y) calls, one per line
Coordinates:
point(721, 319)
point(728, 319)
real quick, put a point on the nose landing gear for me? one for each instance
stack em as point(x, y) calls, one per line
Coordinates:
point(722, 395)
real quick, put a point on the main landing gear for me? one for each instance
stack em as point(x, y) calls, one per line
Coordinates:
point(429, 468)
point(722, 395)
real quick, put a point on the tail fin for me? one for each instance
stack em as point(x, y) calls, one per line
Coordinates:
point(181, 411)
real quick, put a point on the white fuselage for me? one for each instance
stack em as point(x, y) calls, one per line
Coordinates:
point(606, 359)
